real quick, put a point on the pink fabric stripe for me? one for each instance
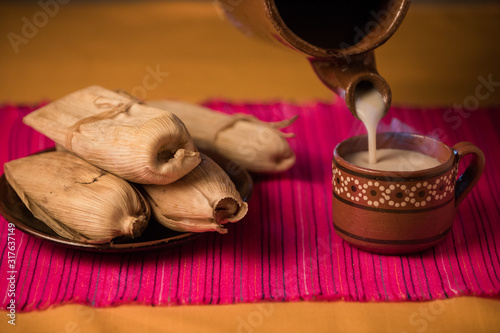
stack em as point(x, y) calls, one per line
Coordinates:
point(285, 249)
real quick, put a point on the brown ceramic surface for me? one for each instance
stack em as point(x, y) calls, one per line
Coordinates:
point(338, 36)
point(155, 235)
point(397, 212)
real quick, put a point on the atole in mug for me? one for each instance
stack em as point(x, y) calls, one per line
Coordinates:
point(395, 212)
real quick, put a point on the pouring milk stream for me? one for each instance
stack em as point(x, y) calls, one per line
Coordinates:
point(370, 110)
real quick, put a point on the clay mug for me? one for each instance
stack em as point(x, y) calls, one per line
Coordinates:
point(337, 36)
point(397, 212)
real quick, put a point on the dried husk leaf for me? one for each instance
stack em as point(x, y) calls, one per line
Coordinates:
point(113, 132)
point(203, 200)
point(256, 145)
point(76, 199)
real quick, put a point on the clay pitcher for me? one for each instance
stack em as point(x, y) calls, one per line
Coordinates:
point(338, 37)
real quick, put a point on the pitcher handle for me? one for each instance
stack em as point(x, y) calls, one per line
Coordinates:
point(466, 182)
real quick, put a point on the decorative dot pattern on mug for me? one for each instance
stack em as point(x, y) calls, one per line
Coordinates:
point(392, 193)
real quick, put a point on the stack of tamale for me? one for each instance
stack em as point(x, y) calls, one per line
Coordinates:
point(121, 160)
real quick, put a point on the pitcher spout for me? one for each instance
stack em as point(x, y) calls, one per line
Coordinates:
point(352, 76)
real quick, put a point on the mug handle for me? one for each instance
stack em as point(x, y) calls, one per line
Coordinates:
point(471, 175)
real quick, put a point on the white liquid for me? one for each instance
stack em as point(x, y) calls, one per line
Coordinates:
point(394, 160)
point(370, 110)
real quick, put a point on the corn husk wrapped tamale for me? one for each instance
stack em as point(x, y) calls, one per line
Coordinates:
point(256, 145)
point(76, 199)
point(203, 200)
point(116, 133)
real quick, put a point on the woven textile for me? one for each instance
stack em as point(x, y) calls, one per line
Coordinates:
point(285, 249)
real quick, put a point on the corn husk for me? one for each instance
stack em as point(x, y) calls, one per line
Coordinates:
point(116, 133)
point(256, 145)
point(76, 199)
point(203, 200)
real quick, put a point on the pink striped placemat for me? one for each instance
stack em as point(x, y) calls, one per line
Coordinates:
point(285, 249)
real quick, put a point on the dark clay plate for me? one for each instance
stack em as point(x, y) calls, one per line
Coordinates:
point(155, 236)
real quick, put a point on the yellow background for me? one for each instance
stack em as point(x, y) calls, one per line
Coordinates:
point(434, 59)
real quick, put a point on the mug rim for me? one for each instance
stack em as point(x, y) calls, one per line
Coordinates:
point(404, 139)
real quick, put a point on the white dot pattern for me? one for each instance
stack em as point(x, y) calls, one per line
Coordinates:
point(394, 194)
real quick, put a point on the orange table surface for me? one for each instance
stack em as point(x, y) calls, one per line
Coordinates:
point(434, 59)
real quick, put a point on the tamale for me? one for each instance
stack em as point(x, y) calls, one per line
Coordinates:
point(203, 200)
point(116, 133)
point(76, 199)
point(255, 145)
